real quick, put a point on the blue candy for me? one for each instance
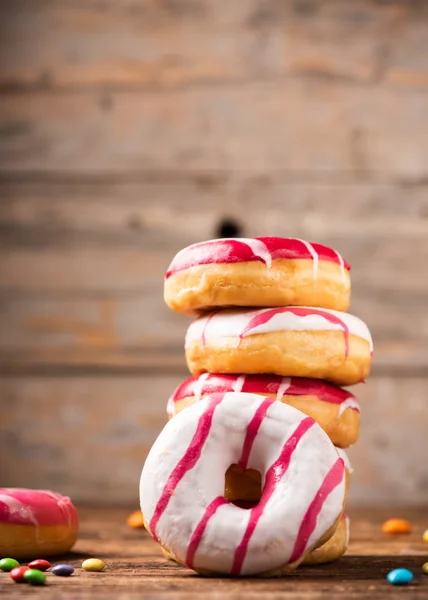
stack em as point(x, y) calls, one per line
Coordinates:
point(62, 570)
point(399, 576)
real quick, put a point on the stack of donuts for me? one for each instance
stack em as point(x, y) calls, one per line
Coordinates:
point(249, 476)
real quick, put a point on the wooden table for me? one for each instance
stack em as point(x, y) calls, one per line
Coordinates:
point(135, 567)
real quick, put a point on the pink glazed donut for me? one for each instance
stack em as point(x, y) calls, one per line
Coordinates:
point(36, 523)
point(335, 409)
point(264, 271)
point(183, 480)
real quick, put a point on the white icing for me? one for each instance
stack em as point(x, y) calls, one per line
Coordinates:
point(344, 456)
point(199, 385)
point(350, 402)
point(239, 383)
point(170, 406)
point(314, 255)
point(232, 322)
point(342, 265)
point(283, 387)
point(273, 539)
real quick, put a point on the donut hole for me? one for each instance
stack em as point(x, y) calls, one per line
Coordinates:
point(242, 488)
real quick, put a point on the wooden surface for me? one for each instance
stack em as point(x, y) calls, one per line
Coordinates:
point(129, 130)
point(135, 567)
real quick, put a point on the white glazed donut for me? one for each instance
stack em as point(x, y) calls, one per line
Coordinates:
point(297, 341)
point(183, 479)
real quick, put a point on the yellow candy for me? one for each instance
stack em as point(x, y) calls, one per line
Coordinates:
point(425, 536)
point(425, 568)
point(93, 564)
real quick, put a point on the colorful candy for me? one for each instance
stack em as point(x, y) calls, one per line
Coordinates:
point(425, 568)
point(40, 564)
point(399, 576)
point(93, 564)
point(7, 564)
point(17, 574)
point(136, 520)
point(34, 577)
point(62, 570)
point(396, 526)
point(425, 536)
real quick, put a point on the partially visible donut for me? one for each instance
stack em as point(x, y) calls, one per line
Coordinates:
point(336, 410)
point(265, 271)
point(182, 486)
point(36, 523)
point(335, 548)
point(289, 341)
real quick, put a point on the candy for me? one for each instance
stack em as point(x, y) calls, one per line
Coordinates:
point(17, 574)
point(40, 564)
point(93, 564)
point(136, 520)
point(34, 577)
point(396, 526)
point(399, 576)
point(425, 568)
point(425, 536)
point(63, 570)
point(7, 564)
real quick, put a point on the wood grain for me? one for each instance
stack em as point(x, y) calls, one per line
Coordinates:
point(150, 44)
point(89, 132)
point(134, 565)
point(82, 265)
point(89, 435)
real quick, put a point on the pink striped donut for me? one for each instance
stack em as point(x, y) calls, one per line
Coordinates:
point(183, 479)
point(336, 410)
point(264, 271)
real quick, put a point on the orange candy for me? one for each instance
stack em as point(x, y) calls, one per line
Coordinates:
point(396, 526)
point(135, 520)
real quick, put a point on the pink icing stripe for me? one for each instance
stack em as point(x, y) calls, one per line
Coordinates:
point(273, 476)
point(200, 529)
point(36, 508)
point(236, 250)
point(252, 431)
point(187, 462)
point(267, 315)
point(262, 384)
point(331, 481)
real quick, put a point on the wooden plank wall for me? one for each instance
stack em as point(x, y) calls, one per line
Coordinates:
point(130, 129)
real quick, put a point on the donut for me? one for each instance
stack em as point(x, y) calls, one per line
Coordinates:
point(36, 523)
point(335, 409)
point(335, 548)
point(182, 486)
point(265, 271)
point(289, 341)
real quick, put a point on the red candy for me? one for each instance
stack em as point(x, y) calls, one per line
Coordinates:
point(17, 574)
point(40, 564)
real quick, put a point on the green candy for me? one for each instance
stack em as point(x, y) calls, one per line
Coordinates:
point(34, 577)
point(7, 564)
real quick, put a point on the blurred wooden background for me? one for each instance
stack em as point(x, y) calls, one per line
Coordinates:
point(130, 129)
